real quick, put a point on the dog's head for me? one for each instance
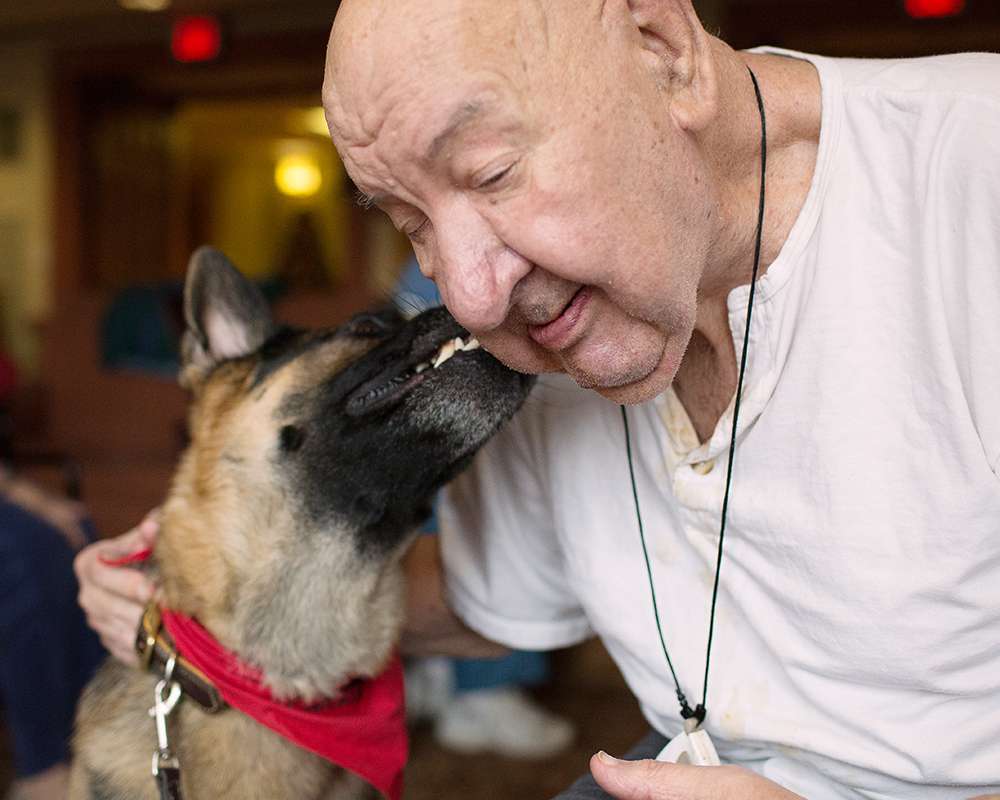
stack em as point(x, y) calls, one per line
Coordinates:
point(315, 454)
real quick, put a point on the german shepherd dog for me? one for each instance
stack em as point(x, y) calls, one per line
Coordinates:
point(314, 456)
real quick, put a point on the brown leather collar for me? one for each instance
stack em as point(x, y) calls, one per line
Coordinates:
point(156, 648)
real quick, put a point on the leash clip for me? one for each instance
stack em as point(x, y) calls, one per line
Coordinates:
point(166, 695)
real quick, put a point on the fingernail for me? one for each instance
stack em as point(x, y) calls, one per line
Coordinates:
point(609, 760)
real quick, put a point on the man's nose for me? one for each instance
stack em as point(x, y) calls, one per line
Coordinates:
point(475, 271)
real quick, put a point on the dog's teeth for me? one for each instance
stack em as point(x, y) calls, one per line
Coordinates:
point(456, 345)
point(421, 367)
point(447, 351)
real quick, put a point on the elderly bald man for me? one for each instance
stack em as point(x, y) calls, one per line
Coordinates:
point(583, 182)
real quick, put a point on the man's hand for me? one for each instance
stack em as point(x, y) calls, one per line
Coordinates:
point(113, 598)
point(656, 780)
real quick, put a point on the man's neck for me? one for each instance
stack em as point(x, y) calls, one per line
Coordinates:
point(706, 380)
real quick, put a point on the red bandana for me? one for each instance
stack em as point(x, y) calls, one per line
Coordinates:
point(363, 731)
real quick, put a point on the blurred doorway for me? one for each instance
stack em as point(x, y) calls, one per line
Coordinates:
point(155, 158)
point(257, 178)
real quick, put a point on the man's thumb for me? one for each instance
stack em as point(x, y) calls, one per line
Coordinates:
point(632, 780)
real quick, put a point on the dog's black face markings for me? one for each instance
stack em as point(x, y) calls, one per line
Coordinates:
point(379, 469)
point(369, 444)
point(288, 343)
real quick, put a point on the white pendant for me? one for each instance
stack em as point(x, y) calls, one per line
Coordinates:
point(693, 746)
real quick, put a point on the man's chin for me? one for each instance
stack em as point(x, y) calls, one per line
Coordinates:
point(633, 393)
point(632, 380)
point(632, 386)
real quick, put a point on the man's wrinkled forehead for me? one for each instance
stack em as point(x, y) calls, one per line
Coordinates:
point(378, 46)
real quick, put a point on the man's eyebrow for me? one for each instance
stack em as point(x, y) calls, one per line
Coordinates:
point(462, 116)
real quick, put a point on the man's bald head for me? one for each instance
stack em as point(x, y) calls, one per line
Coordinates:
point(540, 156)
point(374, 43)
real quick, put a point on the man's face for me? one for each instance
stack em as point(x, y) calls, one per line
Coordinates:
point(535, 168)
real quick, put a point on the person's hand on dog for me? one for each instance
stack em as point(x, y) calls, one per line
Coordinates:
point(113, 598)
point(657, 780)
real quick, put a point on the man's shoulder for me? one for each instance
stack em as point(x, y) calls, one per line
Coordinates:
point(960, 75)
point(930, 124)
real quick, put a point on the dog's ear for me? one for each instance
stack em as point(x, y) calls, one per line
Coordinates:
point(226, 315)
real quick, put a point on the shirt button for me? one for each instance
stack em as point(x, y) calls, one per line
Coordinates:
point(703, 467)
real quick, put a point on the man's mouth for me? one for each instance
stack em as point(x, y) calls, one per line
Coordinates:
point(391, 384)
point(557, 333)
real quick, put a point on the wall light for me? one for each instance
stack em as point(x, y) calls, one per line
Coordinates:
point(298, 175)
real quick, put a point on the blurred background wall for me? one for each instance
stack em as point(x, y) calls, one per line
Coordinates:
point(132, 131)
point(25, 185)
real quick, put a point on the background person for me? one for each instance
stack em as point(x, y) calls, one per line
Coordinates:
point(47, 652)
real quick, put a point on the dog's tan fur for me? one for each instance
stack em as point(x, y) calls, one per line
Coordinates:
point(232, 553)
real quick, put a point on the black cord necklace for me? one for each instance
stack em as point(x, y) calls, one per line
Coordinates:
point(699, 711)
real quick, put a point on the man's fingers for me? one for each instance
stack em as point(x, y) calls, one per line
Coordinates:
point(117, 636)
point(657, 780)
point(635, 780)
point(114, 617)
point(113, 597)
point(127, 657)
point(118, 616)
point(140, 537)
point(149, 528)
point(104, 586)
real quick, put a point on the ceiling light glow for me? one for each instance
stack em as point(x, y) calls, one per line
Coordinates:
point(298, 175)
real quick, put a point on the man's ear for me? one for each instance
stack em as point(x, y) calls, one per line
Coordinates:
point(227, 316)
point(680, 53)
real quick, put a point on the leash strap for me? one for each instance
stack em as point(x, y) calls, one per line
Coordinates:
point(168, 781)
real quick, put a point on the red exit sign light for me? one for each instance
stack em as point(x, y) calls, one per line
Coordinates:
point(195, 39)
point(933, 9)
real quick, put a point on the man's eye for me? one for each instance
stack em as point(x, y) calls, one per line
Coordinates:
point(495, 178)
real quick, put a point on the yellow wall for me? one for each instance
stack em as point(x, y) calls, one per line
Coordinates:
point(239, 144)
point(251, 220)
point(25, 202)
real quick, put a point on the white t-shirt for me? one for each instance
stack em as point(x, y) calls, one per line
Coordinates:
point(857, 643)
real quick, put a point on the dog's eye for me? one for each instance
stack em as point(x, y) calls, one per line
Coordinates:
point(370, 325)
point(291, 438)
